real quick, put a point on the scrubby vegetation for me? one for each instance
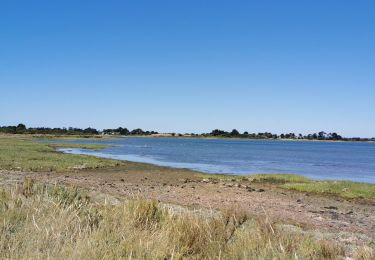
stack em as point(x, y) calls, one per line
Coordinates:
point(38, 222)
point(22, 153)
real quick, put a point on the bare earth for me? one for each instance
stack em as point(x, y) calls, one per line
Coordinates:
point(353, 221)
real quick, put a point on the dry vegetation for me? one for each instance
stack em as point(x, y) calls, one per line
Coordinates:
point(39, 221)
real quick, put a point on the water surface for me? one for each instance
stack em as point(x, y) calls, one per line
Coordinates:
point(318, 160)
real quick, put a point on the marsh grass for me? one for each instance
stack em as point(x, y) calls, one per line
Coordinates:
point(22, 153)
point(345, 189)
point(58, 222)
point(74, 145)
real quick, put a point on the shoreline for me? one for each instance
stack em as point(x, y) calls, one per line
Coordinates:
point(239, 138)
point(208, 174)
point(106, 137)
point(207, 169)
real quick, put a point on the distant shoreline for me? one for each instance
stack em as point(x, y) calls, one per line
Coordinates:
point(239, 138)
point(21, 129)
point(108, 136)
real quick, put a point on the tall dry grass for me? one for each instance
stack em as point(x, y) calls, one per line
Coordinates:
point(37, 222)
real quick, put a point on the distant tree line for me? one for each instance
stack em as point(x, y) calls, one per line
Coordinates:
point(22, 129)
point(266, 135)
point(125, 131)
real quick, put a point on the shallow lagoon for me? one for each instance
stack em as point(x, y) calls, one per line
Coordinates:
point(319, 160)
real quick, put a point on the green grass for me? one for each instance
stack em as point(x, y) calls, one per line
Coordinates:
point(279, 178)
point(42, 222)
point(346, 189)
point(22, 153)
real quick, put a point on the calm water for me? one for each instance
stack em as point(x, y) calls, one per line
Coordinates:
point(318, 160)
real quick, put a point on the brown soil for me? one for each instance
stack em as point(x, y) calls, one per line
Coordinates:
point(184, 187)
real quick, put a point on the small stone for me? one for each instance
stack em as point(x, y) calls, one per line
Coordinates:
point(123, 180)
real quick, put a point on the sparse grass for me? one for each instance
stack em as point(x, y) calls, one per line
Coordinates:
point(56, 222)
point(22, 153)
point(346, 189)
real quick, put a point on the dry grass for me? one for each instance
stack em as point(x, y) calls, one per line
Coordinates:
point(37, 221)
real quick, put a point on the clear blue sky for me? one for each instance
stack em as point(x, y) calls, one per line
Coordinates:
point(189, 66)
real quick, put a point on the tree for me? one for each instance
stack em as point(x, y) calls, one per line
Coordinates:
point(335, 136)
point(217, 132)
point(234, 132)
point(124, 131)
point(322, 135)
point(137, 131)
point(21, 127)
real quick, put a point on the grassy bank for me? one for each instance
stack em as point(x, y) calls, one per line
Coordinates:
point(23, 153)
point(345, 189)
point(37, 221)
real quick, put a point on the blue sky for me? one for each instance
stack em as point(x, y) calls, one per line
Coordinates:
point(189, 66)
